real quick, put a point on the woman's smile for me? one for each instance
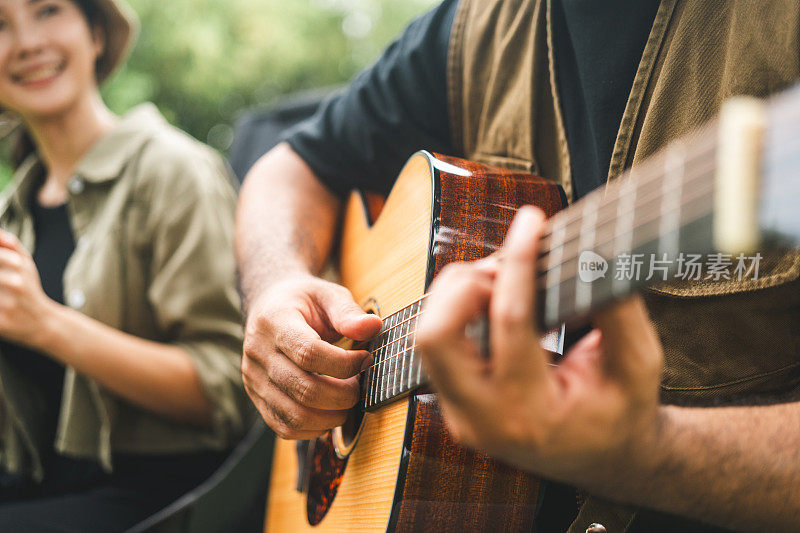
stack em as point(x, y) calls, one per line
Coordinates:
point(39, 75)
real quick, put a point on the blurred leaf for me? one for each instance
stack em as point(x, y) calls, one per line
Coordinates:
point(223, 57)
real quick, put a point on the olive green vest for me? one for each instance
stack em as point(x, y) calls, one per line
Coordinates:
point(723, 342)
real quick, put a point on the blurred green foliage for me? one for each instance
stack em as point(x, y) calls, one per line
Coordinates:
point(205, 61)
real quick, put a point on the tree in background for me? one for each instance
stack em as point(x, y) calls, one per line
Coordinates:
point(204, 61)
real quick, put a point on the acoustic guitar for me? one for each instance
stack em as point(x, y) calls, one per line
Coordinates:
point(393, 466)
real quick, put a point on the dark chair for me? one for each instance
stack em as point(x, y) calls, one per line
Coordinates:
point(257, 132)
point(233, 499)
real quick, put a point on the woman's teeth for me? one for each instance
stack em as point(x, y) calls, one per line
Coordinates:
point(39, 74)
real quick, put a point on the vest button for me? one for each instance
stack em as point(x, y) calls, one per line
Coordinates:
point(596, 528)
point(76, 299)
point(76, 185)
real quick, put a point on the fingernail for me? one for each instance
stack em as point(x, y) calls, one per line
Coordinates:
point(523, 222)
point(367, 362)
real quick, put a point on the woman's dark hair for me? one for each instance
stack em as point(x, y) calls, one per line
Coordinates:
point(23, 144)
point(93, 14)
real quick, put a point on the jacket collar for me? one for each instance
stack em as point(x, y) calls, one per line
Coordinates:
point(109, 155)
point(105, 160)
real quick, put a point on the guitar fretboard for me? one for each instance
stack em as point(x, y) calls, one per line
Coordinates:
point(396, 368)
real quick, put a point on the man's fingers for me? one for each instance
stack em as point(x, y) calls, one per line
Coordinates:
point(458, 296)
point(283, 413)
point(300, 343)
point(513, 335)
point(631, 348)
point(309, 389)
point(345, 315)
point(277, 422)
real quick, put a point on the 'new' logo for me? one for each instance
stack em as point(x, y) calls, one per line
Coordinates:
point(591, 266)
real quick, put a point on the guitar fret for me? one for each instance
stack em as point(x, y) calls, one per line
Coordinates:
point(406, 323)
point(554, 269)
point(391, 358)
point(672, 191)
point(583, 290)
point(386, 361)
point(373, 368)
point(398, 376)
point(417, 361)
point(626, 210)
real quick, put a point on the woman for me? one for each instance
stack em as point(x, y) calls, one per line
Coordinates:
point(120, 334)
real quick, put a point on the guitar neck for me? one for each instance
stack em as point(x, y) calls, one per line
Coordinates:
point(636, 231)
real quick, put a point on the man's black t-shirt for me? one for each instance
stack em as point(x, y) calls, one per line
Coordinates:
point(361, 137)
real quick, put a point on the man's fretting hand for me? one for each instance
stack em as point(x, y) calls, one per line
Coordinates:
point(589, 413)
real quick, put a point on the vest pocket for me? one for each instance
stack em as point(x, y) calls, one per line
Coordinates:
point(775, 267)
point(738, 347)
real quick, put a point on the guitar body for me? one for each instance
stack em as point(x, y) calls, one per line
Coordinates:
point(404, 472)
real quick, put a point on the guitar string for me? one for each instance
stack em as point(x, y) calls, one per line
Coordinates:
point(414, 316)
point(642, 176)
point(648, 173)
point(698, 193)
point(410, 351)
point(776, 157)
point(779, 123)
point(643, 197)
point(636, 173)
point(696, 214)
point(622, 191)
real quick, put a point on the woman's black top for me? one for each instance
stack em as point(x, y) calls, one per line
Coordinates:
point(54, 246)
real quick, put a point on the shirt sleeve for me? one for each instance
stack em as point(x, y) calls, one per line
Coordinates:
point(192, 288)
point(362, 136)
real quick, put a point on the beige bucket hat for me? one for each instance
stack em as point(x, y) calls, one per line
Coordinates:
point(121, 27)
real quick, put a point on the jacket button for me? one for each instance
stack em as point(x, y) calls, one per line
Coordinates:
point(76, 299)
point(596, 528)
point(76, 185)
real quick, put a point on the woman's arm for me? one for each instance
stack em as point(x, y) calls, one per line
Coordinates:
point(157, 377)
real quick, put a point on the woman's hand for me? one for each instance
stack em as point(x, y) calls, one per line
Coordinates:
point(24, 307)
point(595, 411)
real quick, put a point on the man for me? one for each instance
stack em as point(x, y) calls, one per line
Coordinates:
point(577, 91)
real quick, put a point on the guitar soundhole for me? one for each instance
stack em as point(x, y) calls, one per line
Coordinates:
point(345, 436)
